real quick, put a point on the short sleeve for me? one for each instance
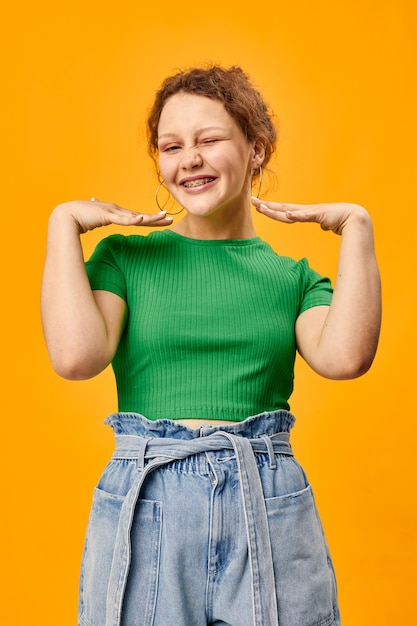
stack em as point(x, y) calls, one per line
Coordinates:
point(317, 289)
point(104, 266)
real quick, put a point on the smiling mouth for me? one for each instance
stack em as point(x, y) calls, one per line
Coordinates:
point(198, 182)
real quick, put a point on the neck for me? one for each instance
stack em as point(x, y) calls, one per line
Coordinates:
point(226, 226)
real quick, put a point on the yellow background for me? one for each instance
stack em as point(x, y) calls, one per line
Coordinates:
point(77, 81)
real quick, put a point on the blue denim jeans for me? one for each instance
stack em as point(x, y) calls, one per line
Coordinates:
point(215, 525)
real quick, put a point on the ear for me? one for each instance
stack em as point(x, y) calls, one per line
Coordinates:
point(258, 155)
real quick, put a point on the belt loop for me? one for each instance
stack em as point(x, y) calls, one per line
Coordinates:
point(143, 442)
point(270, 449)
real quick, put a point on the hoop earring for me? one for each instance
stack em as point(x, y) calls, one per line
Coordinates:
point(162, 184)
point(260, 181)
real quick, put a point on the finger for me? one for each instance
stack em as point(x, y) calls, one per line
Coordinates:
point(277, 212)
point(109, 213)
point(119, 215)
point(304, 216)
point(153, 218)
point(286, 206)
point(116, 209)
point(277, 206)
point(165, 222)
point(156, 219)
point(290, 213)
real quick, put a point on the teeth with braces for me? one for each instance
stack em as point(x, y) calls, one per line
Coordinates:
point(197, 182)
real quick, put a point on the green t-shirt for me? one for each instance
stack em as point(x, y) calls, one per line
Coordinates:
point(210, 327)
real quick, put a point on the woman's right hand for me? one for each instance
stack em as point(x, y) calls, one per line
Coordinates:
point(91, 214)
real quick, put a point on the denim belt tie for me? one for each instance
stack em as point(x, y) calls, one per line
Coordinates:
point(160, 451)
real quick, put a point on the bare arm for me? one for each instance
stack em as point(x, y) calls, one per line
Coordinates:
point(340, 341)
point(82, 327)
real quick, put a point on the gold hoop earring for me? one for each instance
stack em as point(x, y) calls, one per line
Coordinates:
point(260, 181)
point(162, 184)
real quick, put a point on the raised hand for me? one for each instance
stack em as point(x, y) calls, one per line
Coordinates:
point(90, 214)
point(332, 216)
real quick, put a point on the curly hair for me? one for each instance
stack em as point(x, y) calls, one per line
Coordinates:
point(230, 86)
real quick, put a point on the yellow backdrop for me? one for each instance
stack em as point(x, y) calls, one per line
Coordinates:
point(77, 82)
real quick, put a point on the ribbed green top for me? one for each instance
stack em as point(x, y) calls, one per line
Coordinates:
point(210, 331)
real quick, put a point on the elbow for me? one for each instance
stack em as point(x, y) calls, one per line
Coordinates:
point(351, 370)
point(71, 371)
point(349, 367)
point(350, 359)
point(75, 367)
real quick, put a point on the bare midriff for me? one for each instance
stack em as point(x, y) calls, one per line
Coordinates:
point(196, 423)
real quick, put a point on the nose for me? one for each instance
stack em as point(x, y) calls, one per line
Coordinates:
point(191, 158)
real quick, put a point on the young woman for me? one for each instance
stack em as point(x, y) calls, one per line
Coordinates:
point(203, 516)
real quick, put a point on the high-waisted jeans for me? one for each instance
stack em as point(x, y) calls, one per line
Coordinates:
point(215, 525)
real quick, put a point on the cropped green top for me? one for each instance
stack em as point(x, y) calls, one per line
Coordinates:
point(210, 326)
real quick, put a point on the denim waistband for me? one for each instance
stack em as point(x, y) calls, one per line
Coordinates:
point(267, 423)
point(154, 444)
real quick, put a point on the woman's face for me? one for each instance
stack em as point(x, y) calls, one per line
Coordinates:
point(204, 158)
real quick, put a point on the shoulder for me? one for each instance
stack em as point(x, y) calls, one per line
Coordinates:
point(118, 245)
point(300, 267)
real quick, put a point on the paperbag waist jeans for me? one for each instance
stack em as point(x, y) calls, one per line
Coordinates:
point(216, 525)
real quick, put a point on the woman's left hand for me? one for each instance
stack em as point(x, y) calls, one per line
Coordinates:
point(332, 216)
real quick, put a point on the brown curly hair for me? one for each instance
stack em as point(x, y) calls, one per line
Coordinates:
point(230, 86)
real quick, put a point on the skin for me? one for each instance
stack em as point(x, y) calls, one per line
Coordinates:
point(199, 140)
